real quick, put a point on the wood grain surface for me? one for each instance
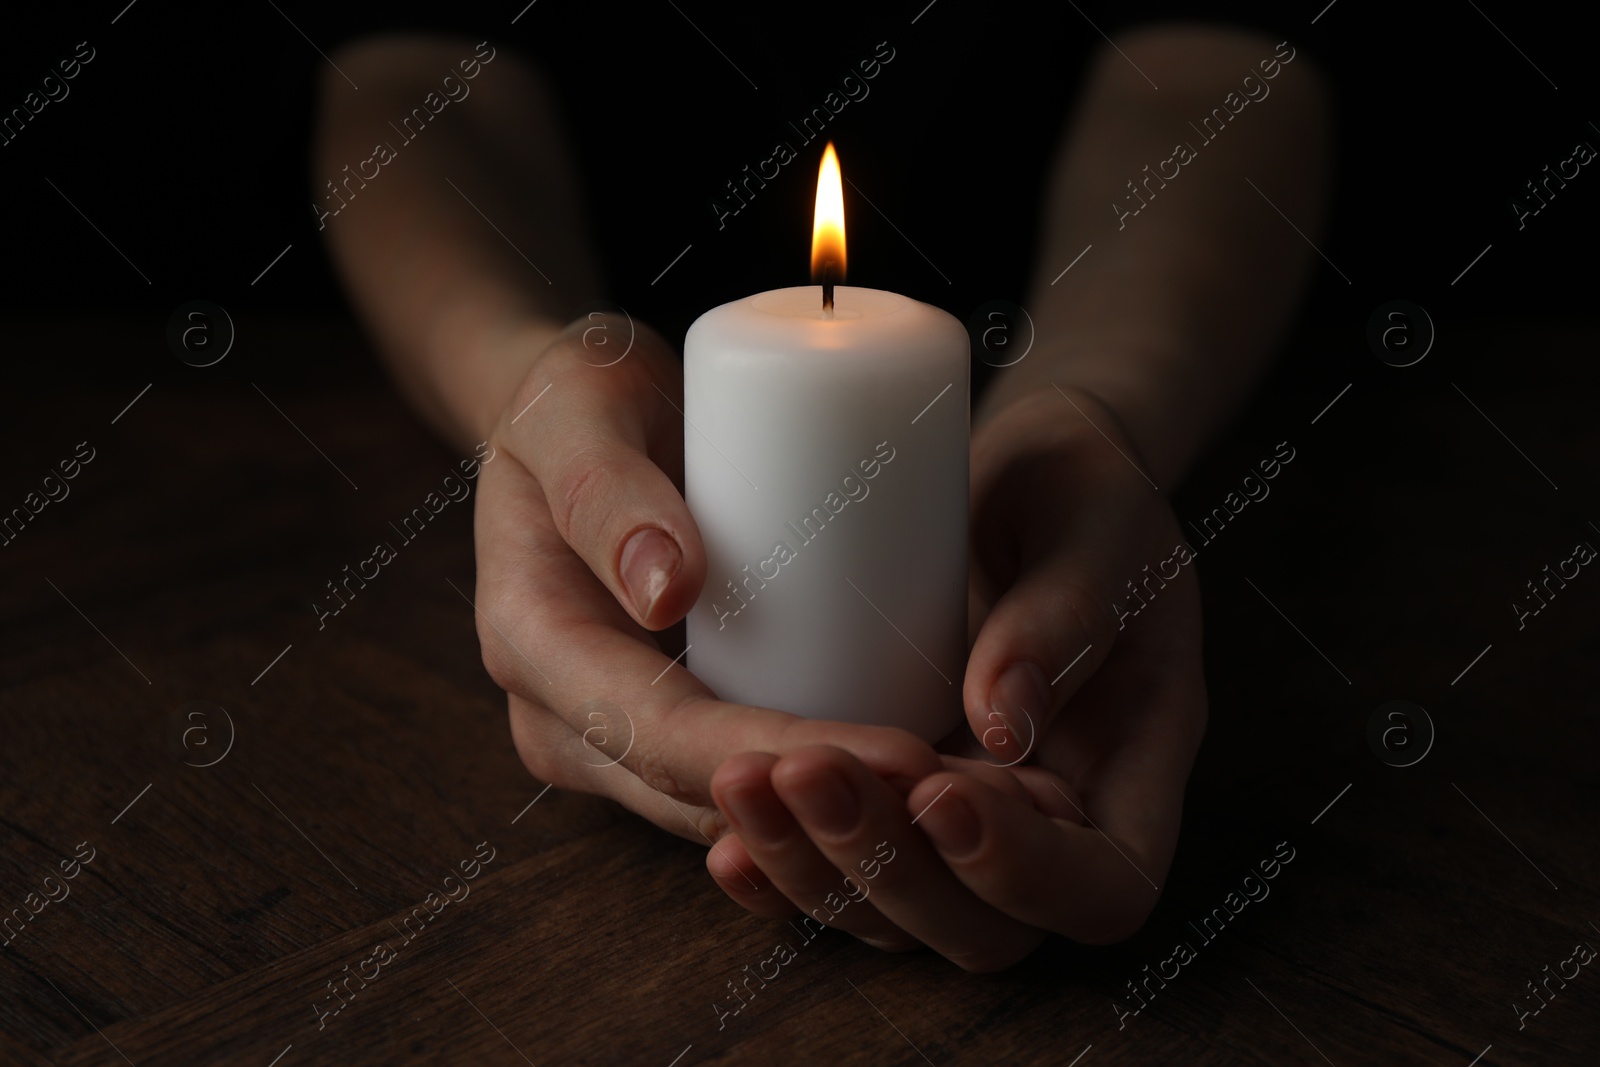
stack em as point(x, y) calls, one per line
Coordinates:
point(352, 768)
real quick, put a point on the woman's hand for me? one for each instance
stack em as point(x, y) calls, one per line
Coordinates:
point(586, 551)
point(1104, 699)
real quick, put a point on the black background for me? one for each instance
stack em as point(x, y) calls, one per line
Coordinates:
point(185, 142)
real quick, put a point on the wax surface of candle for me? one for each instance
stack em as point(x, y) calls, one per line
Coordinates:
point(826, 467)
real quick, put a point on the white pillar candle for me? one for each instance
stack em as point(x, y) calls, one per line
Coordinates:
point(826, 466)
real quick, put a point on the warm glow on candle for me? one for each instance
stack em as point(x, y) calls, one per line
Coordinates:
point(827, 229)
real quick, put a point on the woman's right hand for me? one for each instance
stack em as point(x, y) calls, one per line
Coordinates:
point(586, 552)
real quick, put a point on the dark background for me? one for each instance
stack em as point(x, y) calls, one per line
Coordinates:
point(1382, 568)
point(185, 141)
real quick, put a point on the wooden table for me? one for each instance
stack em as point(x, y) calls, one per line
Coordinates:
point(163, 609)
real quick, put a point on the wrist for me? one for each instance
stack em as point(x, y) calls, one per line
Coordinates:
point(1043, 417)
point(519, 360)
point(1147, 395)
point(498, 359)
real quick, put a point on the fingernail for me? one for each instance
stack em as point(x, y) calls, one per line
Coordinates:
point(757, 814)
point(949, 821)
point(829, 803)
point(649, 560)
point(1021, 700)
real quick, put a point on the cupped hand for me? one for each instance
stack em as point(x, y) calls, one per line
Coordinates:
point(585, 553)
point(1084, 689)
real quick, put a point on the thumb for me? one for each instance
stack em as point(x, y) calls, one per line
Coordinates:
point(1045, 635)
point(604, 448)
point(1086, 564)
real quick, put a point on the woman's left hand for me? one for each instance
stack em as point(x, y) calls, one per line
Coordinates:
point(1084, 692)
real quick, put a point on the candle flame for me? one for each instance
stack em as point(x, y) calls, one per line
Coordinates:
point(827, 228)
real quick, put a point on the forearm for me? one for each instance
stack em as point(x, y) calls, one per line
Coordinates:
point(1171, 314)
point(458, 295)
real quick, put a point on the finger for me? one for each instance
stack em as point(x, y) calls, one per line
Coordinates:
point(1129, 738)
point(849, 814)
point(778, 845)
point(1049, 873)
point(553, 753)
point(605, 445)
point(1005, 779)
point(1057, 619)
point(732, 867)
point(1087, 861)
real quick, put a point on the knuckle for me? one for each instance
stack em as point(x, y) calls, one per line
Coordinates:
point(538, 756)
point(651, 761)
point(656, 774)
point(543, 375)
point(560, 358)
point(1092, 615)
point(583, 489)
point(710, 824)
point(496, 660)
point(504, 664)
point(536, 760)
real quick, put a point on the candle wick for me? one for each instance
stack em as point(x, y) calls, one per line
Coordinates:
point(827, 291)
